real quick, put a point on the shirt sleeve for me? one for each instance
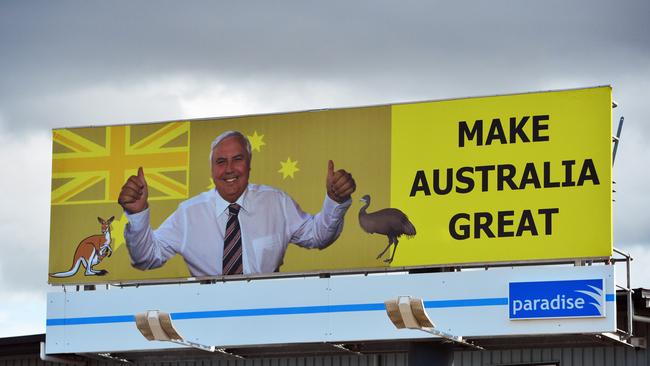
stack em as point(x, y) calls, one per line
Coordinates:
point(316, 231)
point(150, 248)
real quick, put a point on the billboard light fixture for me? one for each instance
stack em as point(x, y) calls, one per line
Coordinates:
point(156, 325)
point(408, 312)
point(343, 347)
point(109, 356)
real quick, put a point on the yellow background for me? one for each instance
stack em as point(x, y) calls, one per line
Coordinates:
point(425, 137)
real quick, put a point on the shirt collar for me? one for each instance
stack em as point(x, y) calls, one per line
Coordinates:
point(222, 205)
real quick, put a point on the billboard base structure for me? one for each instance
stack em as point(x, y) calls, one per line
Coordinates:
point(480, 303)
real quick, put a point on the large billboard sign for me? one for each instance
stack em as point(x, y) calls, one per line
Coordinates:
point(522, 177)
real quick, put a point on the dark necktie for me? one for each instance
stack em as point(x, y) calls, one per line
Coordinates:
point(232, 254)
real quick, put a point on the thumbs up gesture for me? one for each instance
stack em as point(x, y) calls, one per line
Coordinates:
point(134, 194)
point(339, 184)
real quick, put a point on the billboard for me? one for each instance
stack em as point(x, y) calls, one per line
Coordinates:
point(522, 177)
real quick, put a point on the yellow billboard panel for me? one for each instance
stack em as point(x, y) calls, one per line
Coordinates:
point(504, 178)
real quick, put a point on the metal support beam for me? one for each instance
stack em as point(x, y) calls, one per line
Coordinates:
point(629, 292)
point(57, 359)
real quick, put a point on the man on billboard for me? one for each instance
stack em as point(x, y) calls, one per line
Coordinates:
point(236, 228)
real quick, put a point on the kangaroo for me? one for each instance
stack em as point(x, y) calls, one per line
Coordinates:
point(91, 251)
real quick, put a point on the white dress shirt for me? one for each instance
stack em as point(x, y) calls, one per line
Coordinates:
point(269, 220)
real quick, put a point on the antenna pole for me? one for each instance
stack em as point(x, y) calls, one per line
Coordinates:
point(617, 138)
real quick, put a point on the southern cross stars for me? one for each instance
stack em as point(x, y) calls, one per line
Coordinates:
point(288, 168)
point(257, 141)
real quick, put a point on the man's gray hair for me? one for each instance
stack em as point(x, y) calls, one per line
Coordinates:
point(227, 134)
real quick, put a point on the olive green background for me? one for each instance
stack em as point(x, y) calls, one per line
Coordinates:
point(356, 139)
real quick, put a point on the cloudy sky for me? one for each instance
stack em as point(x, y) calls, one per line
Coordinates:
point(74, 63)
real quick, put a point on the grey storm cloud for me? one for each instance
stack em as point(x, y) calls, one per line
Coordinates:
point(68, 44)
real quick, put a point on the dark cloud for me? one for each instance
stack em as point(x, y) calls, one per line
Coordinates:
point(72, 44)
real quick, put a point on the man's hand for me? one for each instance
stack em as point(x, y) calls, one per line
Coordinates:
point(339, 184)
point(133, 197)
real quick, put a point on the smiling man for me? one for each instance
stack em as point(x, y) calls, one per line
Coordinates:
point(236, 228)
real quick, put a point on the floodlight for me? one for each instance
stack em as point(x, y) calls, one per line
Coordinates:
point(156, 325)
point(408, 312)
point(394, 314)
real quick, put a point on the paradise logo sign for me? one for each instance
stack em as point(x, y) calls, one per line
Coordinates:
point(557, 299)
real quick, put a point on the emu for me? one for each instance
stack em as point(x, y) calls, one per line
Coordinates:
point(389, 221)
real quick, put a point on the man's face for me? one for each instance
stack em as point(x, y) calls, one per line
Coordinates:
point(231, 166)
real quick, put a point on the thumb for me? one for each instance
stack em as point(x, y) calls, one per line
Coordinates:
point(330, 169)
point(141, 176)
